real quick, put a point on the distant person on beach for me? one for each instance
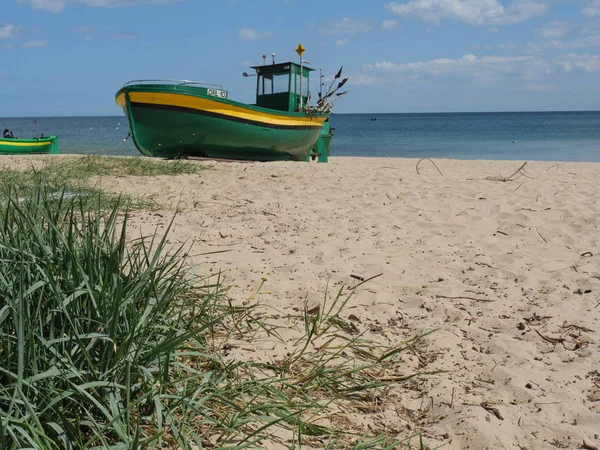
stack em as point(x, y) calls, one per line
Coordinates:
point(8, 134)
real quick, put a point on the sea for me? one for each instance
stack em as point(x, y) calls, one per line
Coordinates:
point(531, 136)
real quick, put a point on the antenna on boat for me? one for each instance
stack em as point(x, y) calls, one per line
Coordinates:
point(273, 56)
point(264, 59)
point(337, 76)
point(320, 83)
point(324, 103)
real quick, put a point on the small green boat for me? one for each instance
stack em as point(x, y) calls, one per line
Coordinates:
point(184, 118)
point(16, 146)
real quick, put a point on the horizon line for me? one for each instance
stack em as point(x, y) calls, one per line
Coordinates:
point(348, 113)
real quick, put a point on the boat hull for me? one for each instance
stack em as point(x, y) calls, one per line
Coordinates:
point(171, 121)
point(28, 146)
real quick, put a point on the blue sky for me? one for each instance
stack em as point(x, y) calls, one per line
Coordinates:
point(69, 57)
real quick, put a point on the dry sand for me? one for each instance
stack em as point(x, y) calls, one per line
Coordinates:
point(506, 270)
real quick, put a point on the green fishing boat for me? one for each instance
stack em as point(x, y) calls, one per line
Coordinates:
point(185, 118)
point(15, 146)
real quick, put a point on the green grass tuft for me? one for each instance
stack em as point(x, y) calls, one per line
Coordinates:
point(80, 175)
point(111, 343)
point(137, 166)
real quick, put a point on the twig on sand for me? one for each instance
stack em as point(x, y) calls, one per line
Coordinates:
point(578, 344)
point(486, 300)
point(367, 280)
point(542, 237)
point(421, 362)
point(492, 410)
point(503, 446)
point(510, 178)
point(550, 339)
point(417, 166)
point(567, 326)
point(588, 446)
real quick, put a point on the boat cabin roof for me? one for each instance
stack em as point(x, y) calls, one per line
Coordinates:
point(270, 69)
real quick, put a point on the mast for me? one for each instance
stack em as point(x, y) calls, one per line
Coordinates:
point(320, 83)
point(300, 50)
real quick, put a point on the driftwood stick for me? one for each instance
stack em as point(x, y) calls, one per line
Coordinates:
point(368, 279)
point(550, 339)
point(518, 170)
point(486, 300)
point(492, 410)
point(417, 166)
point(510, 178)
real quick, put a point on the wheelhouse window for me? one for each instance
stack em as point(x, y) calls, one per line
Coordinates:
point(296, 84)
point(273, 84)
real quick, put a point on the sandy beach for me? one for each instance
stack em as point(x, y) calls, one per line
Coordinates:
point(505, 270)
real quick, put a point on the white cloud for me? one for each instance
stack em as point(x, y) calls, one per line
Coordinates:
point(389, 25)
point(346, 26)
point(35, 44)
point(82, 29)
point(90, 34)
point(586, 42)
point(121, 36)
point(341, 42)
point(508, 46)
point(587, 63)
point(563, 35)
point(361, 78)
point(473, 12)
point(537, 87)
point(556, 30)
point(248, 34)
point(467, 66)
point(59, 5)
point(8, 31)
point(591, 8)
point(486, 68)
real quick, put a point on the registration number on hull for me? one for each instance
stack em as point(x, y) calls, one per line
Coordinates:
point(217, 93)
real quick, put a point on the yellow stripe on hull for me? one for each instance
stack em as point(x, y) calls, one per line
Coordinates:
point(121, 102)
point(225, 109)
point(25, 144)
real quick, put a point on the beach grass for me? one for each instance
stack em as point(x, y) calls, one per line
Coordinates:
point(107, 342)
point(82, 175)
point(94, 166)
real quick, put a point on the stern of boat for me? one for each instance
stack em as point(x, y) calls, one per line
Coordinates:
point(320, 150)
